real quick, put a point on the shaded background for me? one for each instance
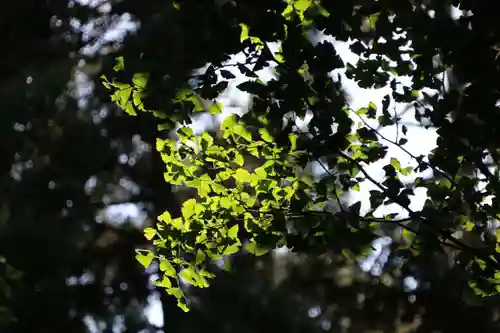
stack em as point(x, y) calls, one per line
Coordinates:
point(71, 164)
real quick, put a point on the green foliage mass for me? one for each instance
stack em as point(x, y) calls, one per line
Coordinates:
point(252, 192)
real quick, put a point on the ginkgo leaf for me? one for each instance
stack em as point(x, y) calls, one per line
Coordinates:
point(254, 249)
point(130, 109)
point(149, 233)
point(238, 159)
point(165, 217)
point(183, 306)
point(200, 257)
point(188, 208)
point(120, 64)
point(176, 292)
point(164, 282)
point(395, 163)
point(228, 123)
point(231, 249)
point(145, 259)
point(167, 268)
point(188, 275)
point(215, 108)
point(264, 134)
point(140, 79)
point(233, 231)
point(293, 142)
point(242, 175)
point(206, 141)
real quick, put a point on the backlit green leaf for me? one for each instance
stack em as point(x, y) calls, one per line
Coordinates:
point(140, 80)
point(242, 175)
point(167, 268)
point(264, 134)
point(145, 258)
point(149, 233)
point(233, 232)
point(188, 208)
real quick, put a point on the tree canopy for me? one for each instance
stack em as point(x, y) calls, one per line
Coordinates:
point(70, 159)
point(253, 190)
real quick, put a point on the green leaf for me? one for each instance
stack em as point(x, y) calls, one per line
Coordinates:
point(293, 142)
point(183, 306)
point(407, 235)
point(206, 141)
point(105, 81)
point(165, 217)
point(120, 64)
point(264, 134)
point(238, 159)
point(124, 97)
point(228, 123)
point(226, 202)
point(406, 171)
point(395, 163)
point(186, 131)
point(241, 131)
point(200, 257)
point(130, 109)
point(362, 111)
point(167, 268)
point(145, 259)
point(242, 175)
point(184, 94)
point(254, 249)
point(136, 97)
point(233, 232)
point(372, 106)
point(215, 108)
point(188, 275)
point(149, 233)
point(206, 274)
point(198, 104)
point(231, 249)
point(140, 80)
point(165, 282)
point(177, 223)
point(188, 208)
point(176, 292)
point(261, 172)
point(301, 5)
point(218, 188)
point(244, 32)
